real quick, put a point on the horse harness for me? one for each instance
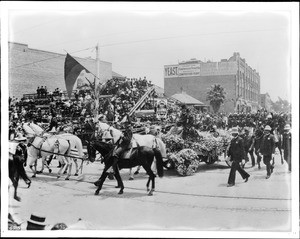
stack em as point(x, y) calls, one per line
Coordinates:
point(56, 144)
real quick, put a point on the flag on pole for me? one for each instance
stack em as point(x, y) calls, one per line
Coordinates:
point(72, 71)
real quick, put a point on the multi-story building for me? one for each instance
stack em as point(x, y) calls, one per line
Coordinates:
point(266, 102)
point(195, 77)
point(30, 68)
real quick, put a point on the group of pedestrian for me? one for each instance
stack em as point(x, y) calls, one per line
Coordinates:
point(264, 144)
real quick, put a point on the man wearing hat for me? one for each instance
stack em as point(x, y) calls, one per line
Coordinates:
point(267, 149)
point(237, 153)
point(89, 127)
point(248, 140)
point(286, 145)
point(20, 158)
point(125, 141)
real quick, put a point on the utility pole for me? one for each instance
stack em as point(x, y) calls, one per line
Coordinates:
point(96, 82)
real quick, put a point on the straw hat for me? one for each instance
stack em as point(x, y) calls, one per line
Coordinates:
point(20, 137)
point(36, 223)
point(287, 127)
point(268, 128)
point(234, 130)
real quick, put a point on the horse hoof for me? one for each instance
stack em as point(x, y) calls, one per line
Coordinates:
point(33, 176)
point(120, 192)
point(136, 172)
point(28, 185)
point(50, 170)
point(67, 179)
point(76, 174)
point(118, 186)
point(96, 192)
point(131, 178)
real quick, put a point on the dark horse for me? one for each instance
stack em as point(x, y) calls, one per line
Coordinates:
point(141, 155)
point(16, 168)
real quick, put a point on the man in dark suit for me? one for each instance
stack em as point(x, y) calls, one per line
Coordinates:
point(237, 153)
point(248, 140)
point(267, 149)
point(287, 146)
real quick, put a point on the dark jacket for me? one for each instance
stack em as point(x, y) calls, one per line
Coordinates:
point(248, 140)
point(236, 149)
point(267, 145)
point(287, 142)
point(127, 136)
point(90, 127)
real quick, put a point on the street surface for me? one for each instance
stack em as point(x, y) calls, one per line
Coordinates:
point(199, 202)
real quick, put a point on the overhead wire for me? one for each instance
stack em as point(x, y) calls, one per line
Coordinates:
point(184, 36)
point(49, 58)
point(154, 39)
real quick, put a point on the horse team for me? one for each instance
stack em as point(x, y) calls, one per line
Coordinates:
point(41, 145)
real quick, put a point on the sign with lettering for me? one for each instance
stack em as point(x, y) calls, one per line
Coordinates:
point(185, 70)
point(182, 70)
point(171, 71)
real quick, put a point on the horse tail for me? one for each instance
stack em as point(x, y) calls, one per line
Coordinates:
point(159, 162)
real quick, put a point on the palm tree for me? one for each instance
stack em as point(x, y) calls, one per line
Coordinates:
point(216, 97)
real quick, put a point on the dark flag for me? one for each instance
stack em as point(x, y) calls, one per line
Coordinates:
point(72, 71)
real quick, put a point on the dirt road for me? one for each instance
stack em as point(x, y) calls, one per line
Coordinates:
point(201, 202)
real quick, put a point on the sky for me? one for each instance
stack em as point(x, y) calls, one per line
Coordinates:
point(139, 39)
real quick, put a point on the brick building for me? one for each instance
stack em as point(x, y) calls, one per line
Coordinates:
point(241, 82)
point(30, 68)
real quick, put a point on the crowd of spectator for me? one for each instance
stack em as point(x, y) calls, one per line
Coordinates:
point(124, 94)
point(41, 107)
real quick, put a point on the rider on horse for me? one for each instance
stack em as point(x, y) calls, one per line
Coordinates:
point(124, 141)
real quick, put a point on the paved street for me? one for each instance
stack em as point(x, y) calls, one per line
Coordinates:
point(198, 202)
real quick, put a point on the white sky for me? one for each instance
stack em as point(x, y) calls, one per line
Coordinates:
point(139, 39)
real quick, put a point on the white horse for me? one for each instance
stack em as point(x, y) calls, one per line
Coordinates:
point(41, 147)
point(76, 150)
point(143, 140)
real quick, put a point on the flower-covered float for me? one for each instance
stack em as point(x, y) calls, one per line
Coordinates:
point(186, 154)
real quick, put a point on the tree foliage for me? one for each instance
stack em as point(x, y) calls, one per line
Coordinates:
point(281, 105)
point(216, 97)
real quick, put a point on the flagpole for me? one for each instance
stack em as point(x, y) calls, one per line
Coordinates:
point(96, 82)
